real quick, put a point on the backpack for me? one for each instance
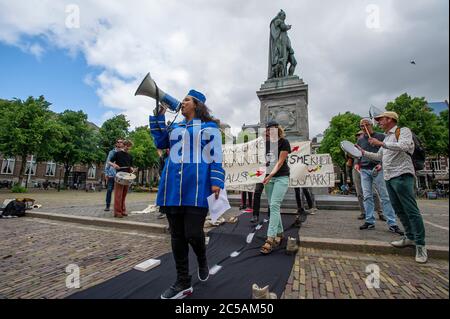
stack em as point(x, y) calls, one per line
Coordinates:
point(14, 208)
point(418, 156)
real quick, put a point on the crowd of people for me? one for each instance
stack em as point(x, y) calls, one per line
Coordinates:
point(387, 166)
point(383, 176)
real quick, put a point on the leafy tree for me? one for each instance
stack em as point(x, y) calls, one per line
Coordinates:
point(111, 131)
point(27, 128)
point(444, 118)
point(4, 104)
point(78, 142)
point(444, 122)
point(144, 151)
point(246, 136)
point(98, 155)
point(342, 127)
point(415, 114)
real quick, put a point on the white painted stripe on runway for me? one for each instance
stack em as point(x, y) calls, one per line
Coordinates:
point(435, 225)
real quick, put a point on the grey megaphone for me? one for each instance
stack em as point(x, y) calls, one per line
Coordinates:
point(149, 88)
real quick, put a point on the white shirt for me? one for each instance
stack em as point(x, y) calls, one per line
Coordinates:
point(395, 155)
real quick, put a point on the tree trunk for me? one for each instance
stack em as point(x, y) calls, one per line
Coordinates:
point(22, 169)
point(139, 176)
point(66, 175)
point(143, 177)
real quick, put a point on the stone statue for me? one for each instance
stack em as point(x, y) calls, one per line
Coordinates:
point(280, 49)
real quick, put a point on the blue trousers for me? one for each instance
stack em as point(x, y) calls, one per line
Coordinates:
point(109, 191)
point(367, 182)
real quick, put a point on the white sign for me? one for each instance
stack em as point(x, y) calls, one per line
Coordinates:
point(312, 170)
point(245, 166)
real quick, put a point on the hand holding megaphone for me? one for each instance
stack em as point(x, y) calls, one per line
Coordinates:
point(162, 108)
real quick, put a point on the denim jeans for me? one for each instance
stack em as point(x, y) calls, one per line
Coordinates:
point(367, 182)
point(109, 191)
point(403, 197)
point(275, 191)
point(359, 192)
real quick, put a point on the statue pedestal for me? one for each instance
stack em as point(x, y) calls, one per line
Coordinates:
point(285, 100)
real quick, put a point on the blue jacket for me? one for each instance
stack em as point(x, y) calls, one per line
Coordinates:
point(194, 163)
point(109, 170)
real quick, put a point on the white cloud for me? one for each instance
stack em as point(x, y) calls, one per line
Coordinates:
point(36, 50)
point(89, 80)
point(221, 47)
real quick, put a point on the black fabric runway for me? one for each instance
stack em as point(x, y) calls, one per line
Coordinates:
point(233, 281)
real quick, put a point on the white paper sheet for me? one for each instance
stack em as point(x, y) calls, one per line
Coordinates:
point(217, 207)
point(148, 264)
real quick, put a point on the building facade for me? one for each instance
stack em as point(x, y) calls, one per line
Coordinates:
point(80, 177)
point(434, 175)
point(36, 173)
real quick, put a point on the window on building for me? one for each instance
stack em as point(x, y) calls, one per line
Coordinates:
point(92, 171)
point(31, 166)
point(50, 169)
point(436, 165)
point(8, 166)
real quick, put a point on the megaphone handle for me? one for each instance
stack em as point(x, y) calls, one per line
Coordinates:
point(157, 100)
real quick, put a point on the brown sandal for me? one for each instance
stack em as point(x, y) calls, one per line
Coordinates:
point(268, 246)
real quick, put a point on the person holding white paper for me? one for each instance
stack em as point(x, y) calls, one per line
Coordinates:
point(218, 206)
point(191, 174)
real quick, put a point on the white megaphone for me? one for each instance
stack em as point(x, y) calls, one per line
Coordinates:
point(149, 88)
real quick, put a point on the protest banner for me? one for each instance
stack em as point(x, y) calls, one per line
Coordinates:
point(244, 165)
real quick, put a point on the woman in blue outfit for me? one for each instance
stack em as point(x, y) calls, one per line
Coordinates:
point(191, 173)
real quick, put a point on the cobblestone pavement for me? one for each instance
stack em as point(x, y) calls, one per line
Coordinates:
point(332, 274)
point(34, 255)
point(92, 204)
point(324, 224)
point(81, 203)
point(344, 224)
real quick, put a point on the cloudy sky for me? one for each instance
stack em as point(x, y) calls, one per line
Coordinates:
point(352, 53)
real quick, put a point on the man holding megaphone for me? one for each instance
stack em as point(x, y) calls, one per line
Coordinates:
point(191, 174)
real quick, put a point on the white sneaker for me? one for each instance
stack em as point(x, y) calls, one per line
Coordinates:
point(404, 242)
point(421, 254)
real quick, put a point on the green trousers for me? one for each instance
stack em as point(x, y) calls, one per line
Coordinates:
point(403, 200)
point(275, 191)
